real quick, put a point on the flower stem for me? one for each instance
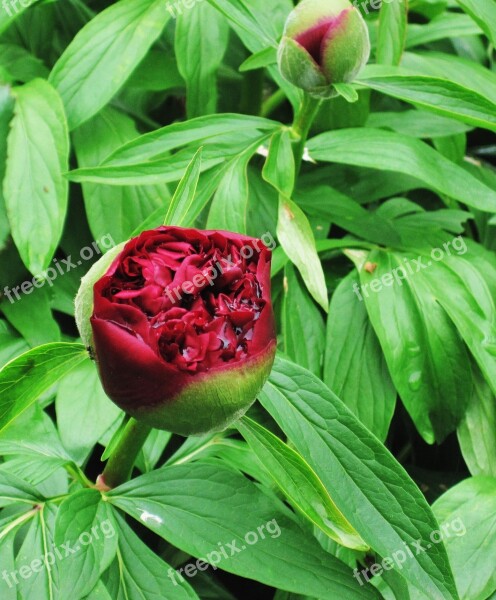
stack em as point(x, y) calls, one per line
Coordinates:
point(301, 126)
point(120, 464)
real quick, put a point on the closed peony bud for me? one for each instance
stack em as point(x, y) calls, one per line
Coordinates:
point(182, 327)
point(324, 42)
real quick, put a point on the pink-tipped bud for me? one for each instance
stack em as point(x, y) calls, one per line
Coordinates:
point(324, 42)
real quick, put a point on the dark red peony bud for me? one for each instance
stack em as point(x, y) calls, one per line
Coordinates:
point(183, 327)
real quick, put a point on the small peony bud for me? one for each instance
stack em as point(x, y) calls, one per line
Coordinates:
point(324, 42)
point(181, 326)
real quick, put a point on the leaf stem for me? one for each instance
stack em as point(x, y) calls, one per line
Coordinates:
point(121, 462)
point(13, 524)
point(301, 126)
point(78, 474)
point(272, 103)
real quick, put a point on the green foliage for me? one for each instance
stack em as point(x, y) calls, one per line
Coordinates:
point(377, 428)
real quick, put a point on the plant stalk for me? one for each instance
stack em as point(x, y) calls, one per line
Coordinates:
point(121, 462)
point(301, 126)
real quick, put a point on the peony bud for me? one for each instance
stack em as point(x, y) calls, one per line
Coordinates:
point(182, 326)
point(324, 42)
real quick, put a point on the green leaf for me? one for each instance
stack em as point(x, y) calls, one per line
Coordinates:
point(296, 238)
point(113, 436)
point(99, 592)
point(32, 317)
point(385, 150)
point(34, 29)
point(187, 214)
point(354, 365)
point(445, 25)
point(37, 545)
point(368, 486)
point(230, 204)
point(88, 524)
point(262, 206)
point(147, 159)
point(207, 185)
point(11, 12)
point(209, 588)
point(349, 109)
point(11, 345)
point(199, 508)
point(467, 514)
point(152, 450)
point(6, 114)
point(201, 32)
point(417, 123)
point(437, 95)
point(279, 168)
point(299, 483)
point(472, 309)
point(81, 399)
point(113, 210)
point(35, 190)
point(151, 146)
point(347, 91)
point(185, 193)
point(259, 60)
point(21, 64)
point(237, 455)
point(138, 573)
point(84, 298)
point(466, 73)
point(7, 586)
point(65, 289)
point(256, 28)
point(480, 257)
point(477, 431)
point(483, 12)
point(417, 337)
point(14, 489)
point(26, 377)
point(302, 324)
point(193, 447)
point(36, 470)
point(393, 18)
point(157, 72)
point(324, 202)
point(415, 228)
point(362, 184)
point(33, 434)
point(103, 55)
point(453, 147)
